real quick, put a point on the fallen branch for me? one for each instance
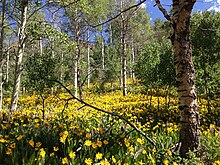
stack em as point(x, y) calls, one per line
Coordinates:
point(107, 112)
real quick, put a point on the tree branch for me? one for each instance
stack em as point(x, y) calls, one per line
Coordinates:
point(161, 8)
point(41, 7)
point(107, 112)
point(116, 16)
point(64, 6)
point(209, 30)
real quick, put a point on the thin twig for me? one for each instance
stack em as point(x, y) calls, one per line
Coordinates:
point(81, 107)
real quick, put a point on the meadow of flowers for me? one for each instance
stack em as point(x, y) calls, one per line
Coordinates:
point(55, 129)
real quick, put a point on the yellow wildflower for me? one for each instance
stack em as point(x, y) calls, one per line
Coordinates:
point(64, 160)
point(72, 154)
point(88, 143)
point(154, 150)
point(31, 142)
point(38, 144)
point(141, 162)
point(98, 156)
point(155, 127)
point(131, 149)
point(169, 152)
point(42, 153)
point(104, 162)
point(2, 140)
point(19, 137)
point(99, 143)
point(52, 154)
point(88, 135)
point(37, 125)
point(217, 162)
point(144, 152)
point(13, 145)
point(105, 142)
point(94, 145)
point(127, 143)
point(62, 139)
point(151, 159)
point(166, 162)
point(64, 136)
point(8, 151)
point(88, 161)
point(55, 149)
point(113, 159)
point(212, 126)
point(36, 120)
point(140, 141)
point(169, 129)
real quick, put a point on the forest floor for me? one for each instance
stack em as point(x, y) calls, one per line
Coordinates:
point(56, 129)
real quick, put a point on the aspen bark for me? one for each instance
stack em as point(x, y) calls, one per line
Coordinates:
point(76, 77)
point(21, 46)
point(61, 70)
point(2, 51)
point(7, 66)
point(41, 46)
point(76, 60)
point(110, 34)
point(185, 76)
point(88, 62)
point(123, 53)
point(189, 135)
point(103, 50)
point(132, 61)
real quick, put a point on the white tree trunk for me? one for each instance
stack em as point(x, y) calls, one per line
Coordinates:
point(61, 70)
point(7, 67)
point(110, 34)
point(76, 60)
point(124, 68)
point(88, 63)
point(1, 51)
point(103, 50)
point(123, 53)
point(41, 46)
point(21, 46)
point(76, 77)
point(132, 61)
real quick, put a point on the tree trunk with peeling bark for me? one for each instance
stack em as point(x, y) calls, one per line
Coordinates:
point(185, 77)
point(185, 74)
point(21, 46)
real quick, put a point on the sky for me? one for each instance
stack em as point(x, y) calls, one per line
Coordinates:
point(200, 5)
